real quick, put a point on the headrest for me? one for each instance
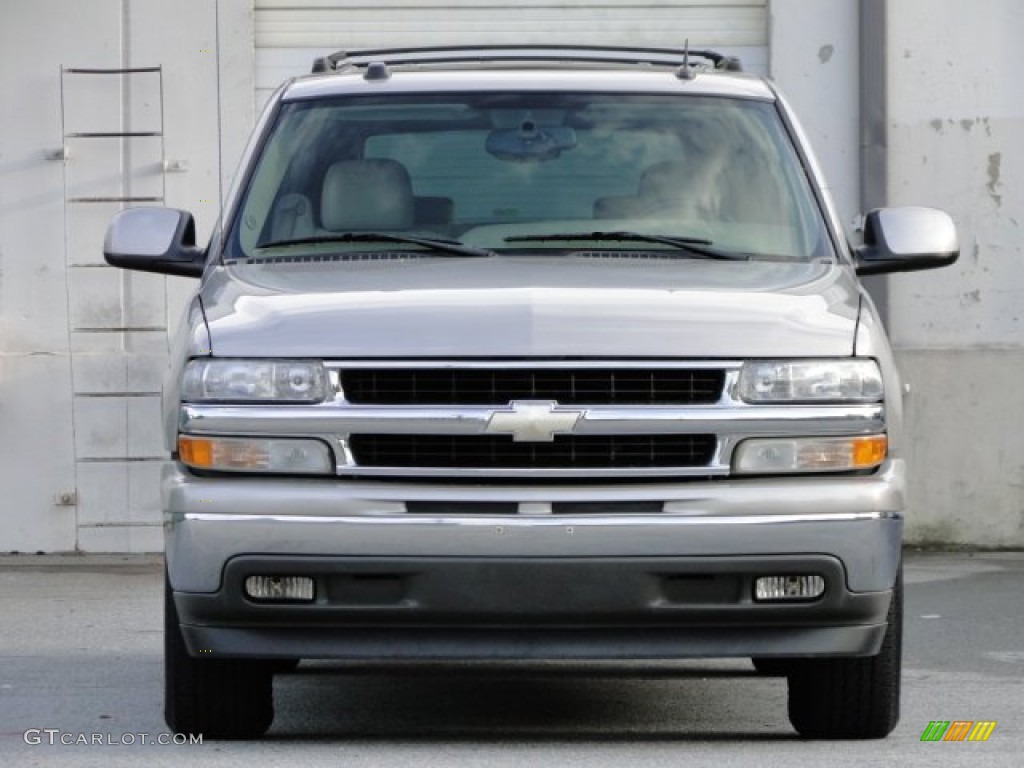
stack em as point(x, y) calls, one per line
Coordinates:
point(365, 195)
point(665, 180)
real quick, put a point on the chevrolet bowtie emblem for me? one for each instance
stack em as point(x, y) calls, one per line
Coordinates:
point(533, 421)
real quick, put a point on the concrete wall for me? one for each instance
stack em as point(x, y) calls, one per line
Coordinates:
point(82, 345)
point(814, 57)
point(952, 138)
point(956, 141)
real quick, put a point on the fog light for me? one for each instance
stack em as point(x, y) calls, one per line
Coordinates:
point(783, 588)
point(279, 588)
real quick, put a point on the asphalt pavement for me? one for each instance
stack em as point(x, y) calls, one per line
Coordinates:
point(81, 684)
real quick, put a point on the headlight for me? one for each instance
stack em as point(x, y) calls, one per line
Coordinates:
point(810, 381)
point(243, 381)
point(247, 454)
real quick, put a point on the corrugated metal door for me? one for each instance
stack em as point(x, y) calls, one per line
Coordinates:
point(290, 33)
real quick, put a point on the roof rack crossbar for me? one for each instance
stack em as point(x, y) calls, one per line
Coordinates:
point(669, 57)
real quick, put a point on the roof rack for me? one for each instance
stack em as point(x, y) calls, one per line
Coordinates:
point(664, 57)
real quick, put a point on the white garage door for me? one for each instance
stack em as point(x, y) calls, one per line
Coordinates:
point(290, 33)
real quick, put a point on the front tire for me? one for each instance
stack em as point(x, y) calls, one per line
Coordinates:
point(851, 698)
point(219, 698)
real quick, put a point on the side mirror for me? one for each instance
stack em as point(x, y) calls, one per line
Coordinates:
point(905, 240)
point(161, 240)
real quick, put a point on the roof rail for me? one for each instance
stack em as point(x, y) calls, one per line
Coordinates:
point(666, 57)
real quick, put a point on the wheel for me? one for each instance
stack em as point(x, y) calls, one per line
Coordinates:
point(851, 698)
point(219, 698)
point(772, 667)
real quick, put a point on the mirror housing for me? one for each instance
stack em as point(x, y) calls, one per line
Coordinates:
point(161, 240)
point(906, 240)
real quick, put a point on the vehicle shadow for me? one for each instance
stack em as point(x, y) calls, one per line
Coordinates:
point(687, 701)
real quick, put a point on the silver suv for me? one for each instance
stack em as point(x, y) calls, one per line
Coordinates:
point(532, 354)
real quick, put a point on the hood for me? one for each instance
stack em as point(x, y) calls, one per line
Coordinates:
point(531, 307)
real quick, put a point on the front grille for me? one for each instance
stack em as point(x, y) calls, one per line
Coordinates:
point(500, 452)
point(499, 386)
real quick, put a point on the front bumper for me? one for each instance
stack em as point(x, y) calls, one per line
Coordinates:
point(395, 585)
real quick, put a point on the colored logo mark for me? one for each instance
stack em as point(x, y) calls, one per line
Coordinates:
point(959, 730)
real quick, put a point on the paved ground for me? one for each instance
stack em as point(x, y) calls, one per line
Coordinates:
point(80, 653)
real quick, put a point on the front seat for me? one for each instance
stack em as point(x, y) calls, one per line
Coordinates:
point(367, 195)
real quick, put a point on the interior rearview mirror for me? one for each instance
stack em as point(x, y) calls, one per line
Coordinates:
point(530, 142)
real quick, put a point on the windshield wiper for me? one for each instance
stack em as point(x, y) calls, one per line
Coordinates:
point(435, 244)
point(693, 246)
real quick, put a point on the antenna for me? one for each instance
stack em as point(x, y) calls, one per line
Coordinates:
point(684, 72)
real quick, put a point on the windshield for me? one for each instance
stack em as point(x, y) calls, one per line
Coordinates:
point(529, 173)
